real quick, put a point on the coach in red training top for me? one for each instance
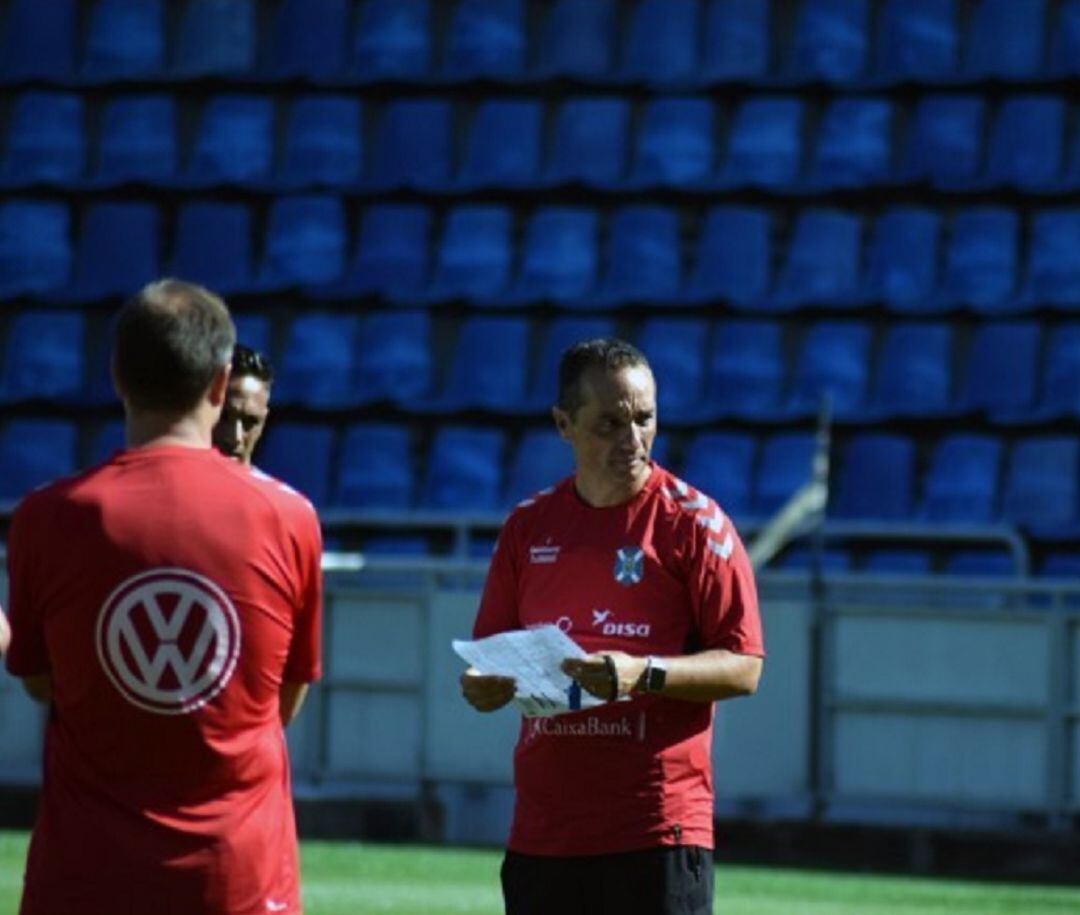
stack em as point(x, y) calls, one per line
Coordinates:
point(167, 605)
point(614, 805)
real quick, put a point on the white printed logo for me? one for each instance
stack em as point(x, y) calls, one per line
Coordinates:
point(600, 616)
point(601, 619)
point(547, 554)
point(168, 640)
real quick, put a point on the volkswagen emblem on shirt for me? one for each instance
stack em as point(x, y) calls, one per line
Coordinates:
point(168, 640)
point(629, 565)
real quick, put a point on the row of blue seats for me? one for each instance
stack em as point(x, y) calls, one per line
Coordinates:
point(967, 479)
point(915, 260)
point(762, 371)
point(666, 42)
point(858, 142)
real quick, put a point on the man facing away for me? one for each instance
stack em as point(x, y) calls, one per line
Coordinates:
point(247, 404)
point(167, 605)
point(614, 805)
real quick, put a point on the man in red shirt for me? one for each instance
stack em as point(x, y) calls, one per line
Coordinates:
point(614, 805)
point(167, 605)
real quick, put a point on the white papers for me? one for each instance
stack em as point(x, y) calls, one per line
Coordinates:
point(533, 658)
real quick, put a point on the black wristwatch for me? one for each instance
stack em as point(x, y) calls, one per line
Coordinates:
point(655, 675)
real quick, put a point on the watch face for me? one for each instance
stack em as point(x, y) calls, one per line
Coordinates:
point(657, 675)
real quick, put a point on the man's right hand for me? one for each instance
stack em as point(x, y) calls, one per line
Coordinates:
point(486, 693)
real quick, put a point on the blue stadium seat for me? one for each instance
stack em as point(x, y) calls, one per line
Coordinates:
point(305, 241)
point(1061, 374)
point(46, 140)
point(213, 246)
point(676, 350)
point(590, 142)
point(391, 257)
point(137, 141)
point(961, 484)
point(733, 258)
point(834, 361)
point(1027, 143)
point(981, 261)
point(822, 262)
point(1060, 565)
point(831, 40)
point(393, 362)
point(720, 464)
point(945, 141)
point(503, 147)
point(1041, 485)
point(746, 371)
point(898, 562)
point(914, 371)
point(981, 564)
point(736, 41)
point(674, 144)
point(578, 39)
point(486, 38)
point(541, 459)
point(43, 356)
point(489, 366)
point(412, 146)
point(38, 40)
point(107, 439)
point(854, 147)
point(34, 452)
point(301, 455)
point(117, 251)
point(558, 336)
point(125, 39)
point(375, 470)
point(393, 39)
point(309, 39)
point(322, 143)
point(1065, 43)
point(317, 367)
point(662, 42)
point(254, 331)
point(918, 40)
point(765, 144)
point(216, 38)
point(402, 544)
point(833, 561)
point(1053, 269)
point(1005, 39)
point(474, 258)
point(559, 259)
point(642, 257)
point(1001, 375)
point(464, 470)
point(784, 467)
point(235, 141)
point(902, 261)
point(876, 479)
point(35, 250)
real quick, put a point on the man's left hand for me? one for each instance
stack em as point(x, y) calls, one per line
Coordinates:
point(606, 679)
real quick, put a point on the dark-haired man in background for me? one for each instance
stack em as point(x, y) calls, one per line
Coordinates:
point(247, 404)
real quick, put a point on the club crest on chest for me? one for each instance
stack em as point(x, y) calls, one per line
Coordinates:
point(629, 565)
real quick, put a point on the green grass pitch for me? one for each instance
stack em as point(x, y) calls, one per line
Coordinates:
point(350, 879)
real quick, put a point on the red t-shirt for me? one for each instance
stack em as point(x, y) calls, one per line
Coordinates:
point(662, 574)
point(169, 592)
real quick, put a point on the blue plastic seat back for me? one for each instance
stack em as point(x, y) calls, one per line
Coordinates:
point(899, 561)
point(1041, 487)
point(734, 255)
point(914, 371)
point(945, 145)
point(309, 38)
point(255, 332)
point(560, 335)
point(486, 38)
point(235, 141)
point(746, 369)
point(1065, 41)
point(981, 262)
point(736, 40)
point(35, 247)
point(213, 246)
point(961, 485)
point(854, 147)
point(464, 469)
point(676, 350)
point(300, 455)
point(318, 361)
point(46, 139)
point(216, 38)
point(375, 470)
point(118, 250)
point(765, 143)
point(643, 254)
point(1061, 377)
point(392, 250)
point(138, 140)
point(1053, 268)
point(394, 357)
point(490, 363)
point(822, 263)
point(305, 240)
point(34, 452)
point(43, 356)
point(721, 465)
point(785, 465)
point(675, 142)
point(876, 478)
point(832, 561)
point(834, 361)
point(918, 40)
point(412, 147)
point(590, 141)
point(503, 147)
point(578, 39)
point(1002, 365)
point(1060, 565)
point(393, 39)
point(322, 141)
point(1005, 39)
point(125, 39)
point(662, 41)
point(981, 564)
point(1027, 144)
point(475, 256)
point(560, 259)
point(831, 40)
point(39, 40)
point(540, 460)
point(903, 257)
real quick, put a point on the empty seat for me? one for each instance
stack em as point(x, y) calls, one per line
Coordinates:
point(559, 259)
point(902, 260)
point(392, 253)
point(643, 256)
point(235, 140)
point(125, 39)
point(558, 336)
point(393, 360)
point(39, 40)
point(721, 464)
point(1005, 39)
point(503, 147)
point(464, 470)
point(254, 331)
point(578, 39)
point(785, 466)
point(301, 455)
point(489, 366)
point(831, 41)
point(918, 40)
point(46, 139)
point(945, 141)
point(914, 371)
point(35, 250)
point(876, 477)
point(662, 42)
point(486, 38)
point(1053, 268)
point(412, 146)
point(834, 362)
point(1041, 485)
point(216, 38)
point(765, 144)
point(961, 484)
point(1001, 377)
point(1065, 41)
point(309, 38)
point(138, 140)
point(474, 258)
point(676, 350)
point(804, 559)
point(736, 41)
point(318, 362)
point(393, 39)
point(1060, 565)
point(854, 146)
point(746, 370)
point(1061, 376)
point(117, 252)
point(981, 262)
point(733, 258)
point(540, 460)
point(322, 142)
point(981, 564)
point(674, 143)
point(34, 452)
point(213, 246)
point(43, 356)
point(375, 470)
point(898, 562)
point(305, 241)
point(590, 142)
point(1027, 144)
point(822, 262)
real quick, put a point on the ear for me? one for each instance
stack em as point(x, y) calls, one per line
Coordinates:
point(219, 386)
point(562, 423)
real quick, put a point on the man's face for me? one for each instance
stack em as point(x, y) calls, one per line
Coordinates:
point(242, 418)
point(612, 431)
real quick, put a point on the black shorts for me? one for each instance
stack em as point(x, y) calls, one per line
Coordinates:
point(673, 880)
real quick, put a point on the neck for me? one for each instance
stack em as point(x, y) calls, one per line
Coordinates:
point(606, 493)
point(146, 429)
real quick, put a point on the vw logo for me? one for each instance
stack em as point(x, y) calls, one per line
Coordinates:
point(168, 640)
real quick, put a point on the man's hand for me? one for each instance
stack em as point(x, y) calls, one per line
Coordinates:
point(606, 679)
point(486, 693)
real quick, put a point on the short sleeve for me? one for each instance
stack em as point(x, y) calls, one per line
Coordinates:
point(724, 594)
point(28, 655)
point(305, 652)
point(499, 604)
